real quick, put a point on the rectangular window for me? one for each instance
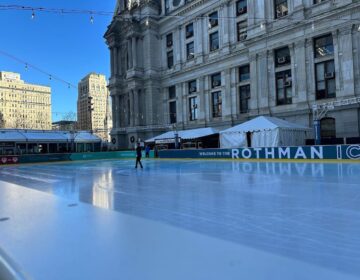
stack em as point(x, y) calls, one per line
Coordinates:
point(193, 108)
point(169, 40)
point(244, 92)
point(213, 19)
point(190, 50)
point(244, 73)
point(283, 88)
point(214, 41)
point(281, 8)
point(241, 27)
point(172, 111)
point(189, 29)
point(323, 46)
point(241, 7)
point(215, 80)
point(192, 86)
point(170, 59)
point(318, 1)
point(325, 80)
point(216, 104)
point(282, 57)
point(172, 92)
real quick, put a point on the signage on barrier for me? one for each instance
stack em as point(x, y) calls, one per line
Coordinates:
point(9, 159)
point(350, 152)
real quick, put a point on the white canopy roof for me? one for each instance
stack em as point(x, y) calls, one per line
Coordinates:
point(24, 135)
point(264, 123)
point(186, 134)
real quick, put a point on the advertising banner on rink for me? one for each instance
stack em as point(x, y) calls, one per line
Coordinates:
point(9, 160)
point(338, 152)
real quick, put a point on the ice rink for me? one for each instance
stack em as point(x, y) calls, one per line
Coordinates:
point(306, 212)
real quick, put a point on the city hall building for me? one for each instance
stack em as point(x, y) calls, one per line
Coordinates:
point(180, 64)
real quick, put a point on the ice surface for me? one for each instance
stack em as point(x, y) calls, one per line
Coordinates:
point(308, 212)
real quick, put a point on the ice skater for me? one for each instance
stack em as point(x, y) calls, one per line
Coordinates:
point(138, 156)
point(147, 151)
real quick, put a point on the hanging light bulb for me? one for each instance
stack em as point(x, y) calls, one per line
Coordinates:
point(262, 26)
point(50, 77)
point(33, 14)
point(358, 28)
point(313, 26)
point(91, 19)
point(26, 67)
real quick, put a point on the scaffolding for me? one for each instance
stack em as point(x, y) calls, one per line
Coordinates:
point(320, 110)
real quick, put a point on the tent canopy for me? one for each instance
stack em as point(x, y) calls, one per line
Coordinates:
point(27, 135)
point(264, 123)
point(264, 132)
point(185, 134)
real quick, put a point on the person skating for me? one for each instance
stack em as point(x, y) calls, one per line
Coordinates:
point(138, 156)
point(147, 151)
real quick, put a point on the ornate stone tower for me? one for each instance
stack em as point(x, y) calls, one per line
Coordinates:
point(134, 85)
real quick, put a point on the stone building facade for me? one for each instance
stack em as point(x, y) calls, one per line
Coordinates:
point(187, 64)
point(23, 105)
point(93, 106)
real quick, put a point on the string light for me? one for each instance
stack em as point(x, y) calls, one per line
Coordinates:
point(62, 11)
point(33, 14)
point(91, 19)
point(358, 28)
point(28, 65)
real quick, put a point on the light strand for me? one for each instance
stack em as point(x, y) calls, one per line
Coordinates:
point(91, 13)
point(28, 65)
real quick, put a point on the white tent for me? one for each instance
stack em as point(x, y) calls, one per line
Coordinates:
point(264, 132)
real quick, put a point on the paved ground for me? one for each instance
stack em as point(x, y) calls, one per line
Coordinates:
point(308, 213)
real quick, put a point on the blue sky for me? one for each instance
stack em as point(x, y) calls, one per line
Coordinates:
point(67, 46)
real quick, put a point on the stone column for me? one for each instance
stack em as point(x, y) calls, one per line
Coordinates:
point(337, 61)
point(226, 99)
point(299, 78)
point(136, 107)
point(346, 63)
point(179, 104)
point(112, 68)
point(117, 113)
point(133, 51)
point(254, 99)
point(263, 76)
point(207, 98)
point(131, 112)
point(113, 110)
point(225, 21)
point(178, 46)
point(271, 80)
point(201, 82)
point(129, 52)
point(310, 70)
point(119, 61)
point(115, 62)
point(233, 91)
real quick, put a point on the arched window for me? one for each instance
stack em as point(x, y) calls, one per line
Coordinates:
point(328, 129)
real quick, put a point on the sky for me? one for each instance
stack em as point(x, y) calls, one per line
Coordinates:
point(67, 46)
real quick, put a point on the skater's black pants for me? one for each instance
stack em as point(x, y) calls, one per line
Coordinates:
point(138, 160)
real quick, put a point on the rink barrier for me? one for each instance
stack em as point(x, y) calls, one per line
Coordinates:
point(336, 152)
point(39, 158)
